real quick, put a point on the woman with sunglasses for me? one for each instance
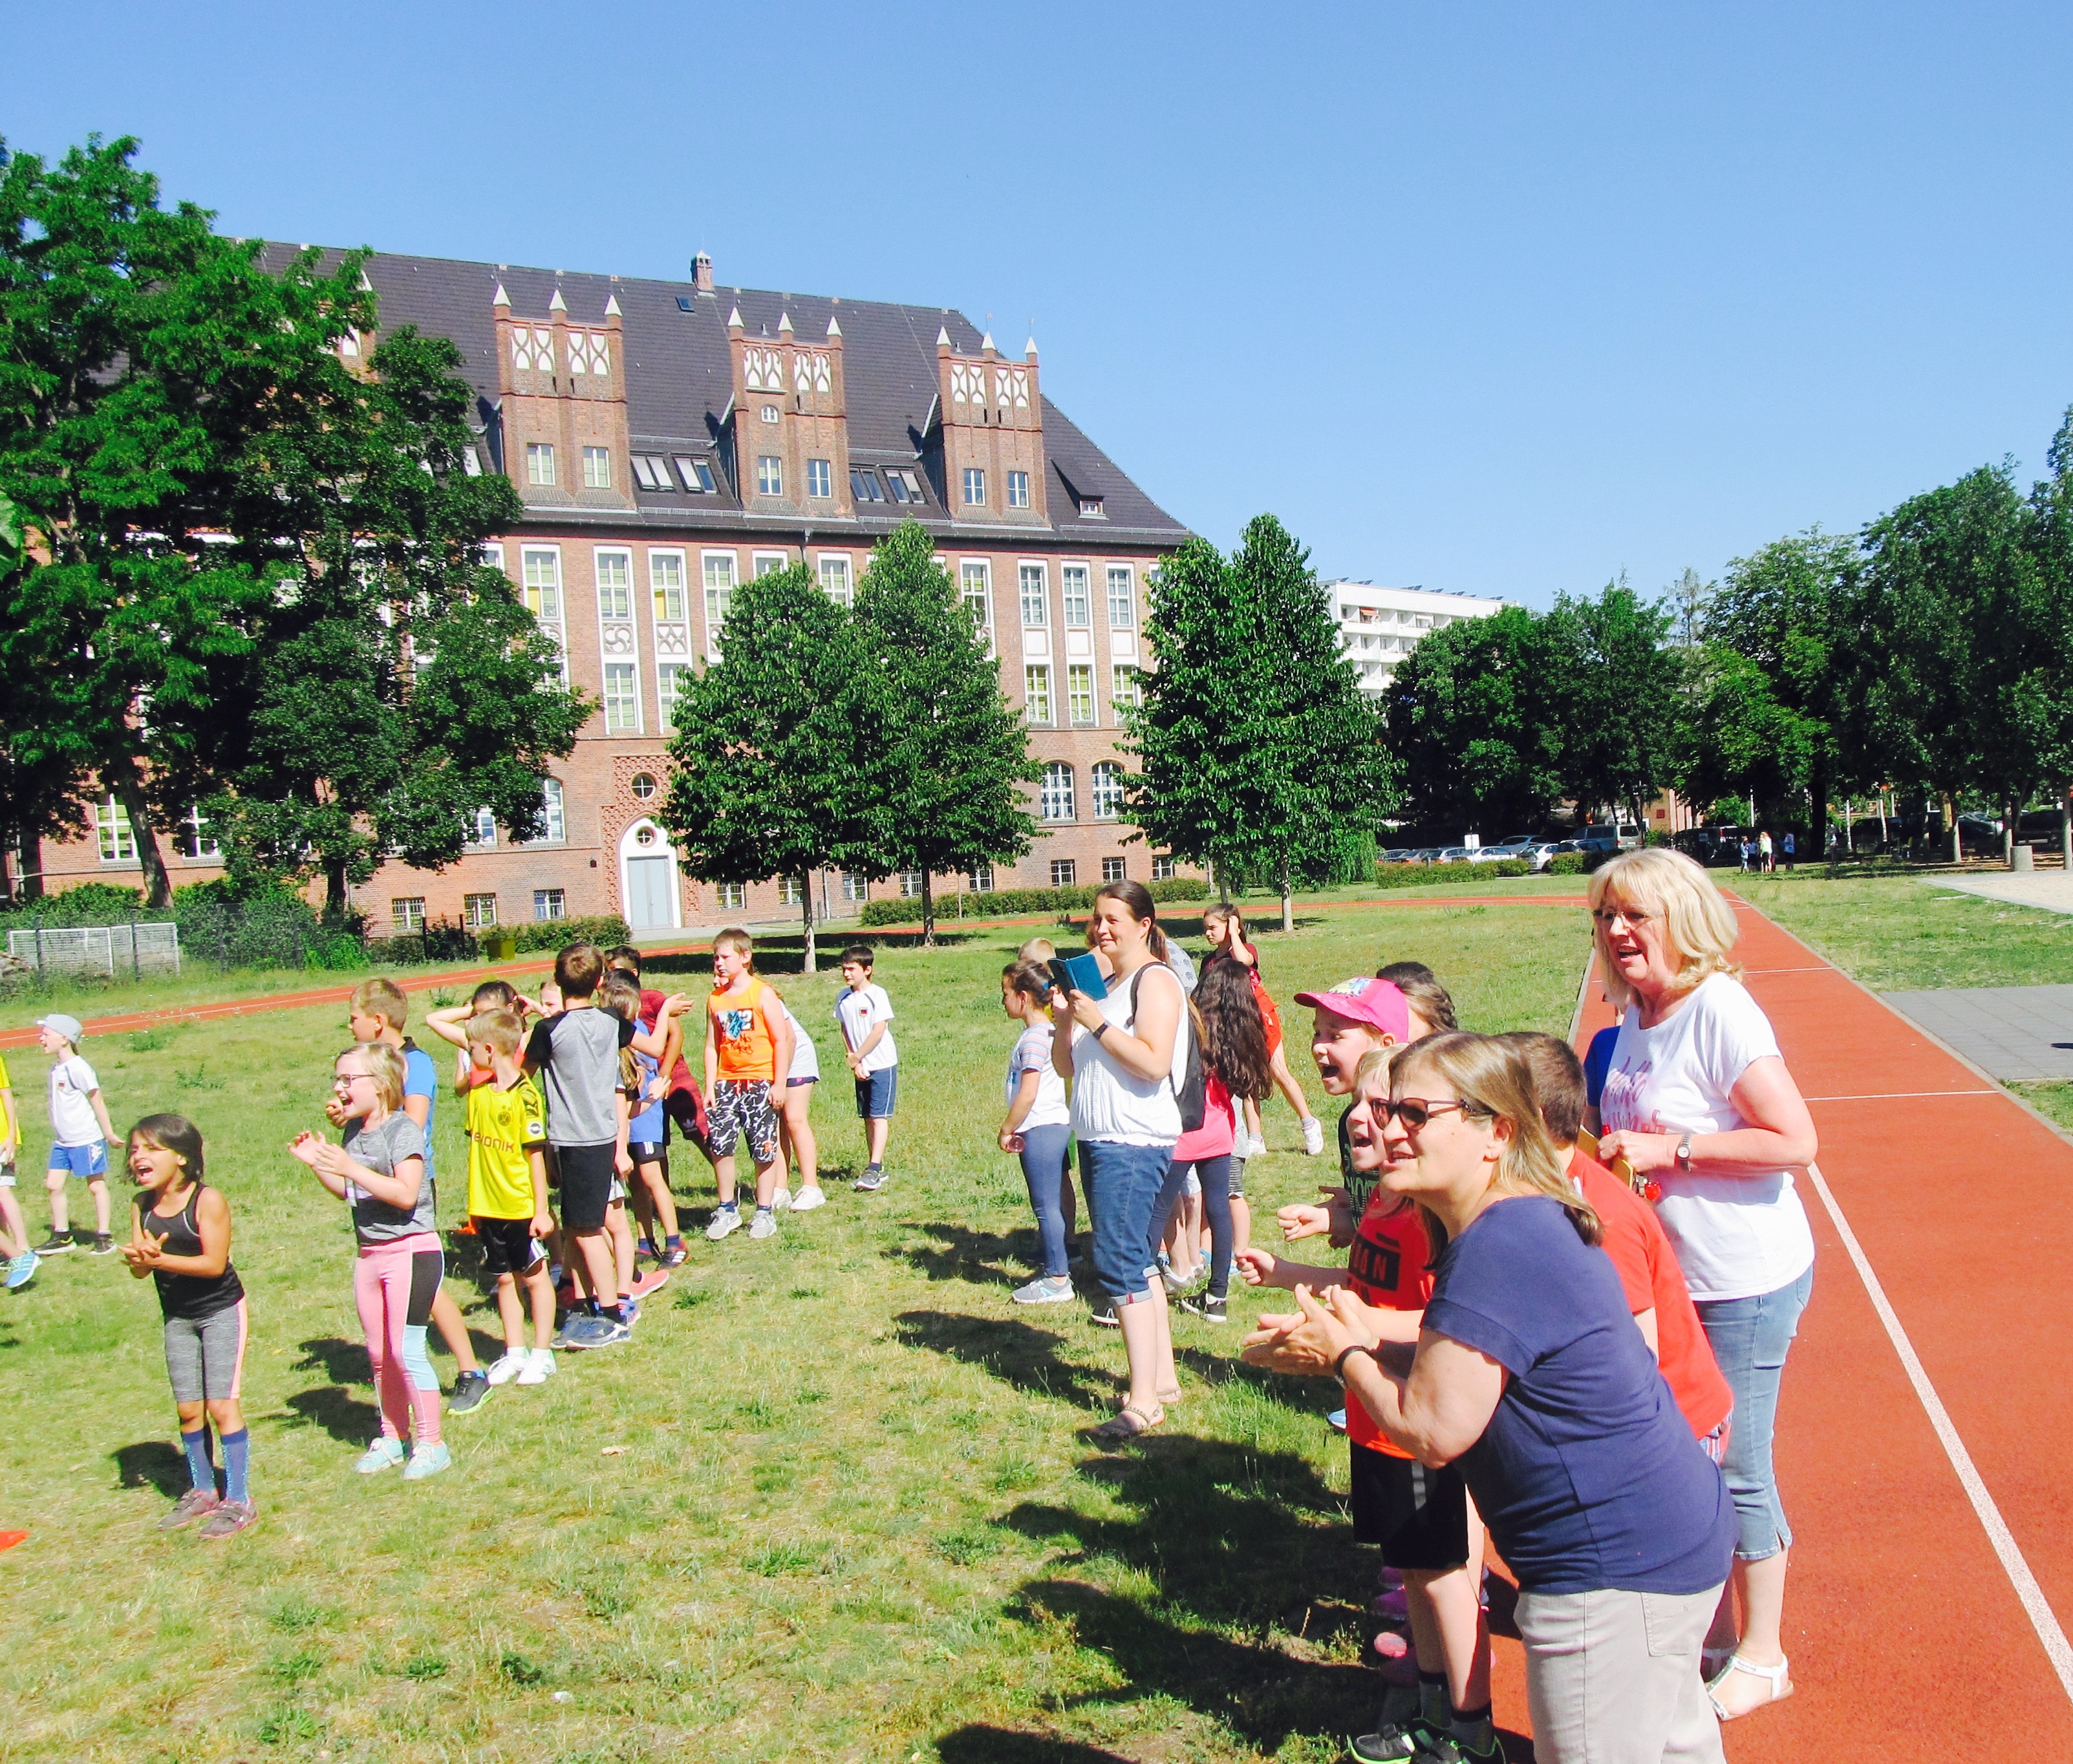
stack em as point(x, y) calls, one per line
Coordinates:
point(1529, 1373)
point(1697, 1097)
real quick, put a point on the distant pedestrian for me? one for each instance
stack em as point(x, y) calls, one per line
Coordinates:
point(80, 1135)
point(865, 1015)
point(1767, 860)
point(1787, 842)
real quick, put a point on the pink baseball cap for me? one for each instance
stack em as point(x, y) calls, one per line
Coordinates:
point(1379, 1003)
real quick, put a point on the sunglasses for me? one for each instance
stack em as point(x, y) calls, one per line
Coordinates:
point(1413, 1111)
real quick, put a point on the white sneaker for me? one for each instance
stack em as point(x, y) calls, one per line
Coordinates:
point(1313, 1135)
point(764, 1224)
point(1259, 1146)
point(1045, 1291)
point(508, 1367)
point(781, 1200)
point(539, 1366)
point(726, 1220)
point(809, 1199)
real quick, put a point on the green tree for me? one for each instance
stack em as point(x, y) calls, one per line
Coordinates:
point(776, 745)
point(1259, 752)
point(2041, 694)
point(951, 776)
point(1474, 718)
point(1621, 699)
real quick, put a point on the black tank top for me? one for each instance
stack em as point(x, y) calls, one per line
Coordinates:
point(189, 1296)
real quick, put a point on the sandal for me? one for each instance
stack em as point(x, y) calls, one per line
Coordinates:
point(1127, 1423)
point(1170, 1395)
point(1713, 1661)
point(1778, 1677)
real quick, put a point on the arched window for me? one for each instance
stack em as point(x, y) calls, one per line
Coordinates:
point(1056, 802)
point(1107, 790)
point(554, 821)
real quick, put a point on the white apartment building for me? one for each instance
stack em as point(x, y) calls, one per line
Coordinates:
point(1378, 626)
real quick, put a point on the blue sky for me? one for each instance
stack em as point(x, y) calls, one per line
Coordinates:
point(1501, 299)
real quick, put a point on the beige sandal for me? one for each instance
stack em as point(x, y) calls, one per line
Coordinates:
point(1127, 1423)
point(1778, 1677)
point(1169, 1396)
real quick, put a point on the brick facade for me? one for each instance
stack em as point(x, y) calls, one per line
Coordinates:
point(630, 566)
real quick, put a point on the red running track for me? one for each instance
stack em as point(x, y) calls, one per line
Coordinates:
point(1908, 1632)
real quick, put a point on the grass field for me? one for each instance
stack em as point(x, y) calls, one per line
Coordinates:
point(832, 1500)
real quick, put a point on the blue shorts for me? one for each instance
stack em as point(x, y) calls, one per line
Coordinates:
point(875, 1094)
point(81, 1160)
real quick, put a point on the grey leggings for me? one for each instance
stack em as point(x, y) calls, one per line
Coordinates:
point(205, 1355)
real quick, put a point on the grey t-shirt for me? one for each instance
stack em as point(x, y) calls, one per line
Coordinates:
point(576, 1054)
point(380, 1149)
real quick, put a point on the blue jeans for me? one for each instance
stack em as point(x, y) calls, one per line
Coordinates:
point(1049, 1177)
point(1123, 1184)
point(1215, 1174)
point(1750, 1338)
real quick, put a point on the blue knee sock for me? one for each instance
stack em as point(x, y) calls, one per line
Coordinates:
point(237, 1463)
point(199, 1470)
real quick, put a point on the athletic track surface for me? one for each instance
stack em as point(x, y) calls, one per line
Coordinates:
point(1921, 1432)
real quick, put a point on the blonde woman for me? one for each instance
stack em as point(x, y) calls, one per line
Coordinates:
point(1698, 1098)
point(1529, 1373)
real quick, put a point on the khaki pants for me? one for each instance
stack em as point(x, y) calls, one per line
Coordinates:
point(1613, 1678)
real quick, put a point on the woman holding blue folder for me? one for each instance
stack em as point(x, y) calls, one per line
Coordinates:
point(1126, 1050)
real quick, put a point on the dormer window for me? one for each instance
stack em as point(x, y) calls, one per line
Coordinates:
point(697, 475)
point(652, 472)
point(1091, 508)
point(905, 486)
point(863, 485)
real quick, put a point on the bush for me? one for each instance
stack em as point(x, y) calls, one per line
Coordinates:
point(1572, 863)
point(1019, 903)
point(1418, 875)
point(91, 903)
point(604, 931)
point(260, 927)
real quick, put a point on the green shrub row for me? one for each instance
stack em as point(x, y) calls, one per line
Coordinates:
point(1418, 875)
point(1019, 903)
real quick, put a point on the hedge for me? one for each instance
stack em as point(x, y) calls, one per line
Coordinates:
point(604, 930)
point(1018, 903)
point(1418, 875)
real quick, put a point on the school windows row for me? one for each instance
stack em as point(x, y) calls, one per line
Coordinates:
point(651, 471)
point(407, 912)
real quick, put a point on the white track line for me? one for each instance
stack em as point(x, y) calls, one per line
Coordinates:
point(2056, 1646)
point(1891, 1096)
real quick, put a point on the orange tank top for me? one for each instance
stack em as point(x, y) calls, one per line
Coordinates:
point(746, 1052)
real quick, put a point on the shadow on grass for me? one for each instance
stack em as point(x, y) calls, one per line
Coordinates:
point(980, 1744)
point(347, 1420)
point(152, 1464)
point(986, 1257)
point(1021, 1354)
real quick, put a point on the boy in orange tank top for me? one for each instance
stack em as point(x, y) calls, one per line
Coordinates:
point(748, 1046)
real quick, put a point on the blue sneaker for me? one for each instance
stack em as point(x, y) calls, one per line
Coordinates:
point(384, 1454)
point(21, 1270)
point(427, 1463)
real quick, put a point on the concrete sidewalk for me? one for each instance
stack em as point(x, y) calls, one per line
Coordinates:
point(2052, 891)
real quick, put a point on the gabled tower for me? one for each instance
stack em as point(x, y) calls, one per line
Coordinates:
point(991, 423)
point(791, 426)
point(563, 388)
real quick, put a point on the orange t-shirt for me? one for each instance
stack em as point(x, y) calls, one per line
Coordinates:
point(745, 1050)
point(1388, 1268)
point(1649, 1274)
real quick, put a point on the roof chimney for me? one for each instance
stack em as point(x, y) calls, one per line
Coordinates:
point(702, 277)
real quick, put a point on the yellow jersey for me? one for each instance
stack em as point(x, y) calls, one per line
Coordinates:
point(6, 1115)
point(503, 1126)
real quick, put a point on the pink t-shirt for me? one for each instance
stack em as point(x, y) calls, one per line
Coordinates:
point(1213, 1139)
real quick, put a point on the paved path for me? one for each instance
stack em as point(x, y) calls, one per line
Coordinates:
point(2051, 890)
point(1920, 1433)
point(2016, 1032)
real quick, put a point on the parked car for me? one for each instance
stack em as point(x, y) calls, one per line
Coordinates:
point(2039, 828)
point(1514, 843)
point(1620, 835)
point(1543, 852)
point(1459, 853)
point(1402, 854)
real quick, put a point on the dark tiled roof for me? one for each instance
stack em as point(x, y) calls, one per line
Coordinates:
point(679, 380)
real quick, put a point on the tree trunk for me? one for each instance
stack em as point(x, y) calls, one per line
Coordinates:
point(928, 909)
point(806, 901)
point(2007, 831)
point(129, 788)
point(1288, 902)
point(1817, 790)
point(2066, 826)
point(335, 906)
point(1957, 845)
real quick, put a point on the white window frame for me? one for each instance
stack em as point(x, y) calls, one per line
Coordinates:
point(1076, 673)
point(1027, 569)
point(1105, 790)
point(1037, 705)
point(1124, 692)
point(975, 588)
point(597, 468)
point(855, 887)
point(1128, 621)
point(838, 582)
point(406, 914)
point(115, 838)
point(554, 813)
point(198, 845)
point(668, 692)
point(1114, 870)
point(975, 486)
point(629, 707)
point(540, 462)
point(550, 905)
point(1018, 489)
point(472, 910)
point(763, 563)
point(730, 897)
point(824, 475)
point(619, 560)
point(910, 884)
point(770, 474)
point(482, 830)
point(535, 593)
point(720, 594)
point(1058, 794)
point(981, 879)
point(657, 588)
point(1085, 606)
point(1065, 873)
point(1164, 869)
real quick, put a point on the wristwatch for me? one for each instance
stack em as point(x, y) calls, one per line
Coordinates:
point(1100, 1030)
point(1684, 1155)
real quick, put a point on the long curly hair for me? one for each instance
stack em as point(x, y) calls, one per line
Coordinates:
point(1234, 1033)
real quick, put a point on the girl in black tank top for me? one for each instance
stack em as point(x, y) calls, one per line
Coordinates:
point(179, 1237)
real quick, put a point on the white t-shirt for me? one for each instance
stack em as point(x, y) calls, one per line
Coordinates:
point(805, 1057)
point(859, 1013)
point(1737, 1231)
point(1032, 1053)
point(72, 1084)
point(1111, 1103)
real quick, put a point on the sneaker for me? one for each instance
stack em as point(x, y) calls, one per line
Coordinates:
point(1179, 1285)
point(1209, 1307)
point(611, 1334)
point(725, 1220)
point(1435, 1747)
point(1336, 1420)
point(229, 1518)
point(1313, 1135)
point(21, 1271)
point(652, 1281)
point(1046, 1289)
point(629, 1312)
point(642, 1247)
point(195, 1504)
point(585, 1331)
point(1392, 1742)
point(1104, 1313)
point(103, 1244)
point(510, 1367)
point(780, 1201)
point(384, 1454)
point(808, 1198)
point(764, 1224)
point(56, 1244)
point(674, 1256)
point(1259, 1146)
point(872, 1179)
point(470, 1391)
point(427, 1461)
point(539, 1366)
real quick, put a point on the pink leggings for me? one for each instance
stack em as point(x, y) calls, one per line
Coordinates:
point(394, 1285)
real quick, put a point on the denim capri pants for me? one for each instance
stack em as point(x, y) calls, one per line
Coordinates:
point(1123, 1184)
point(1750, 1338)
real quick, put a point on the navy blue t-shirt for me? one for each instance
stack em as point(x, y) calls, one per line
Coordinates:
point(1597, 1062)
point(1587, 1475)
